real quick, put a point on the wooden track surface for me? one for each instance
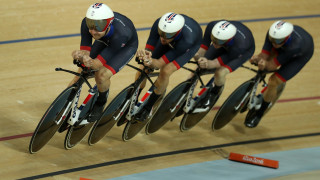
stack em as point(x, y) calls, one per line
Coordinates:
point(29, 84)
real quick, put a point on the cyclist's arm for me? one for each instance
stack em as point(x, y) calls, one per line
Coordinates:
point(78, 54)
point(200, 53)
point(265, 62)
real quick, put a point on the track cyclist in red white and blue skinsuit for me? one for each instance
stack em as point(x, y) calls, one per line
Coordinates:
point(287, 49)
point(116, 42)
point(174, 39)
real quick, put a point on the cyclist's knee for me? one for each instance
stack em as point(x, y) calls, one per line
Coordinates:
point(166, 71)
point(103, 75)
point(274, 81)
point(220, 74)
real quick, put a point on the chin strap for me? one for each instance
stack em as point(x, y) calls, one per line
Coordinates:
point(111, 31)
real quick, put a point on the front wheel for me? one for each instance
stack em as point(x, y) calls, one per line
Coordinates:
point(189, 120)
point(169, 107)
point(228, 111)
point(48, 126)
point(75, 134)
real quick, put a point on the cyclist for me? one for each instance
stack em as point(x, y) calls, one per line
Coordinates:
point(286, 46)
point(174, 39)
point(116, 42)
point(226, 46)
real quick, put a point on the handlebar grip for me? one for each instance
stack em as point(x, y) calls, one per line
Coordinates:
point(138, 60)
point(255, 64)
point(193, 62)
point(76, 62)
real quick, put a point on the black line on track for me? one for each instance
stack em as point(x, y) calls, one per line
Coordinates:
point(139, 158)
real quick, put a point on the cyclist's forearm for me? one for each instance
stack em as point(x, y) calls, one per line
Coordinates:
point(213, 64)
point(200, 53)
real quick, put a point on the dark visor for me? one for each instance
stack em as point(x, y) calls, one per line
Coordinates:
point(99, 25)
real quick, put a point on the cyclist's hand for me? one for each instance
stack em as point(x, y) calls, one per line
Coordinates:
point(255, 59)
point(140, 54)
point(77, 54)
point(148, 54)
point(261, 64)
point(203, 62)
point(147, 61)
point(87, 61)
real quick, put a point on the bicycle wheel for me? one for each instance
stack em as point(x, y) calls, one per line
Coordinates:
point(75, 134)
point(189, 120)
point(107, 121)
point(227, 111)
point(48, 126)
point(165, 113)
point(132, 130)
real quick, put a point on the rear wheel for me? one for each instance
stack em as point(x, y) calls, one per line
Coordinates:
point(169, 107)
point(189, 120)
point(107, 121)
point(48, 126)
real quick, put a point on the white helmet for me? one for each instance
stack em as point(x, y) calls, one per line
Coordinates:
point(280, 31)
point(170, 25)
point(99, 16)
point(223, 32)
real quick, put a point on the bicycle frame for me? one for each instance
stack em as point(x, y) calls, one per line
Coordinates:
point(75, 112)
point(253, 89)
point(73, 105)
point(190, 101)
point(134, 108)
point(131, 103)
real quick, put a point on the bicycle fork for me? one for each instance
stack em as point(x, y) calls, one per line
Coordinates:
point(75, 111)
point(72, 103)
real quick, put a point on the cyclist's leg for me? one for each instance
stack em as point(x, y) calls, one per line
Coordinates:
point(114, 63)
point(102, 78)
point(161, 85)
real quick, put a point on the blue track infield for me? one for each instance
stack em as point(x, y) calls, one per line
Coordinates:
point(290, 162)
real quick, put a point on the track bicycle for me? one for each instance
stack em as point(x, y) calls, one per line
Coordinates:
point(244, 98)
point(180, 101)
point(64, 113)
point(123, 107)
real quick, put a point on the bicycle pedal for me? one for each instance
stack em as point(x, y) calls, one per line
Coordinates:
point(200, 110)
point(82, 122)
